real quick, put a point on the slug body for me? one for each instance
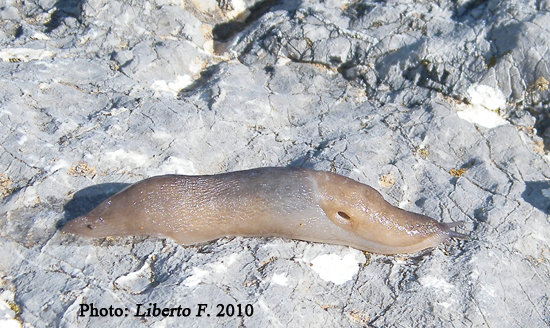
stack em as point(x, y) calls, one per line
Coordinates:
point(294, 203)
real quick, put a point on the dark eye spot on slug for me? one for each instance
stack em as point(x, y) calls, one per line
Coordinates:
point(343, 215)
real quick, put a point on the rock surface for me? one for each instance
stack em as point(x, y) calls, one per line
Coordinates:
point(442, 106)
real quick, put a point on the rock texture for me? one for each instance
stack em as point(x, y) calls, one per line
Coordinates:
point(440, 105)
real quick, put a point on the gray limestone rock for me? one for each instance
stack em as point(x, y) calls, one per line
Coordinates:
point(441, 106)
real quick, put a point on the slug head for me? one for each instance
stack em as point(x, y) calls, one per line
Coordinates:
point(363, 211)
point(102, 221)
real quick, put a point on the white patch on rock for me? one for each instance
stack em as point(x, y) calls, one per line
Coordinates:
point(219, 268)
point(136, 281)
point(280, 279)
point(24, 54)
point(239, 6)
point(179, 3)
point(29, 197)
point(334, 268)
point(58, 165)
point(7, 315)
point(40, 36)
point(161, 135)
point(127, 159)
point(484, 100)
point(162, 87)
point(195, 67)
point(436, 283)
point(162, 323)
point(483, 95)
point(115, 111)
point(206, 6)
point(195, 278)
point(282, 61)
point(175, 165)
point(22, 140)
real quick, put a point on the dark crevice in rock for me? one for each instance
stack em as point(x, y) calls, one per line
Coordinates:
point(467, 7)
point(542, 125)
point(64, 9)
point(359, 9)
point(225, 31)
point(205, 76)
point(534, 195)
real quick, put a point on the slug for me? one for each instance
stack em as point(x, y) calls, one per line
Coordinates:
point(295, 203)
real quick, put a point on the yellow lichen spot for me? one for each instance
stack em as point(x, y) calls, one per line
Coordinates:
point(539, 147)
point(387, 180)
point(422, 152)
point(359, 317)
point(527, 129)
point(542, 84)
point(458, 172)
point(5, 185)
point(360, 94)
point(536, 261)
point(15, 308)
point(82, 169)
point(114, 66)
point(368, 257)
point(264, 264)
point(250, 283)
point(206, 31)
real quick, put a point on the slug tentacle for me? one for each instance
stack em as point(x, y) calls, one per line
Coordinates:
point(291, 203)
point(453, 234)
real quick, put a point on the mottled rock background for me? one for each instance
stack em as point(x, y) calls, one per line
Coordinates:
point(440, 105)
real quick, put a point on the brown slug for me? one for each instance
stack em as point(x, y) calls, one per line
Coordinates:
point(295, 203)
